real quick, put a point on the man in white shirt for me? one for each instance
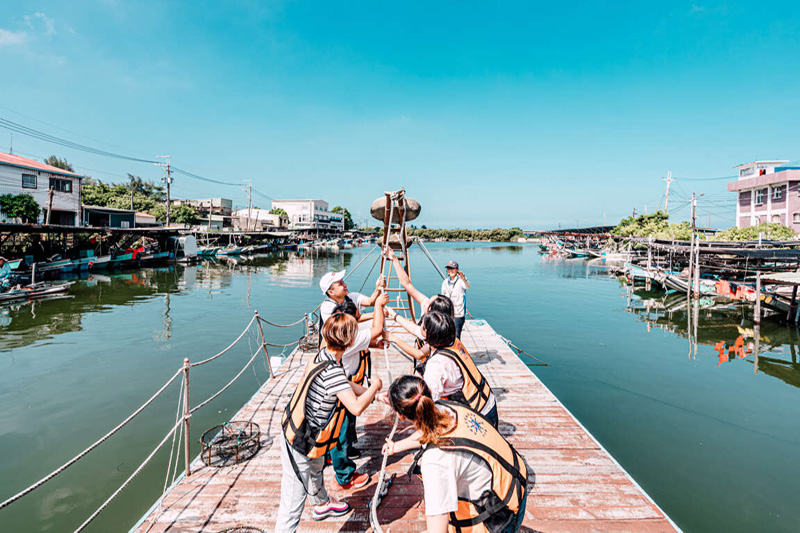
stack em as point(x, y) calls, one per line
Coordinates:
point(335, 290)
point(455, 287)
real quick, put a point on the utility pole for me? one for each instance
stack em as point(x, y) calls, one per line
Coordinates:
point(694, 261)
point(167, 179)
point(249, 188)
point(634, 212)
point(669, 179)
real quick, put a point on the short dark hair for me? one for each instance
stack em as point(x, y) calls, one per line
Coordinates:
point(443, 304)
point(440, 329)
point(347, 307)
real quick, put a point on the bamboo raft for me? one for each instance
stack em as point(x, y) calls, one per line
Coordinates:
point(574, 483)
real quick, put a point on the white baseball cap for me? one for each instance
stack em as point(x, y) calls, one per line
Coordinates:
point(329, 279)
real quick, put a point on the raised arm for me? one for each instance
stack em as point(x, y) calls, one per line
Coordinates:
point(402, 276)
point(369, 302)
point(377, 317)
point(408, 325)
point(413, 351)
point(356, 404)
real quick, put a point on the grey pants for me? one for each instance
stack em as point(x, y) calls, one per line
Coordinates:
point(293, 488)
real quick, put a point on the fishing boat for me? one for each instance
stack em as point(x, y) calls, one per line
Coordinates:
point(288, 247)
point(61, 266)
point(230, 250)
point(32, 292)
point(152, 258)
point(208, 251)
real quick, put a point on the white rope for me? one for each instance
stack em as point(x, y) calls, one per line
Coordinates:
point(223, 389)
point(102, 439)
point(127, 481)
point(172, 446)
point(382, 475)
point(262, 319)
point(429, 256)
point(231, 345)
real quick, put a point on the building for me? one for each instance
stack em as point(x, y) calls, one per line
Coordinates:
point(218, 210)
point(145, 220)
point(20, 175)
point(768, 191)
point(258, 220)
point(310, 215)
point(108, 217)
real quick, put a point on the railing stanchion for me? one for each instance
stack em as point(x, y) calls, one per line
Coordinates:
point(186, 416)
point(264, 346)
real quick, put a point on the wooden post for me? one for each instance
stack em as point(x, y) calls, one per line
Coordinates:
point(49, 206)
point(264, 345)
point(186, 416)
point(757, 317)
point(792, 304)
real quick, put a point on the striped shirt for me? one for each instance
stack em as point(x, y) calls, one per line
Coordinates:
point(322, 394)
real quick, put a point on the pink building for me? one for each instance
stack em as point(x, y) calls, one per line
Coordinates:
point(768, 192)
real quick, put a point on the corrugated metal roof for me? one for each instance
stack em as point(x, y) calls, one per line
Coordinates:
point(783, 278)
point(23, 162)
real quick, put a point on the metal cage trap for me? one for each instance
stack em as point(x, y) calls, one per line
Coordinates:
point(230, 443)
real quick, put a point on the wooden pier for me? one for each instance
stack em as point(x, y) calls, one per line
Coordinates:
point(575, 485)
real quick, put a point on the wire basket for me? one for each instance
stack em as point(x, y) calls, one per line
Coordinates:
point(230, 443)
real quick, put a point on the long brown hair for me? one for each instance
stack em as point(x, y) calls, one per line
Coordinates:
point(411, 397)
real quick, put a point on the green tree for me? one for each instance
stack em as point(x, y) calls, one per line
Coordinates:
point(771, 231)
point(348, 219)
point(278, 211)
point(20, 206)
point(183, 214)
point(57, 162)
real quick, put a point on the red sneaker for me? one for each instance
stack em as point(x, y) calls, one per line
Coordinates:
point(356, 482)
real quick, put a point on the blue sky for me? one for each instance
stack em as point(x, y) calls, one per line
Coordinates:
point(516, 114)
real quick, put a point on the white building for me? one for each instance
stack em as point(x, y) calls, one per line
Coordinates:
point(256, 219)
point(767, 191)
point(20, 175)
point(310, 215)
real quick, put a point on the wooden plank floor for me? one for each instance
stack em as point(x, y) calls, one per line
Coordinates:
point(574, 483)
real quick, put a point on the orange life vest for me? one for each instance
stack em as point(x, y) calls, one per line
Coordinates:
point(496, 507)
point(300, 434)
point(364, 369)
point(476, 391)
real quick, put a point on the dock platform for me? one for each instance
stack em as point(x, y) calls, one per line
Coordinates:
point(574, 483)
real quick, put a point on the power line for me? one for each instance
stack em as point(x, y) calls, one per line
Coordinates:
point(202, 178)
point(36, 134)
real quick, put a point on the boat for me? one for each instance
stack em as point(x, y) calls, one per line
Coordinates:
point(151, 258)
point(183, 248)
point(230, 250)
point(32, 292)
point(208, 251)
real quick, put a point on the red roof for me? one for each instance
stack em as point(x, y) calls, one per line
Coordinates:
point(24, 162)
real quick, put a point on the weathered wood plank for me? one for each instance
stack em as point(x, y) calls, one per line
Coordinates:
point(574, 484)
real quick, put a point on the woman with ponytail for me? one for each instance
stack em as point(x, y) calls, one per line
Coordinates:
point(473, 478)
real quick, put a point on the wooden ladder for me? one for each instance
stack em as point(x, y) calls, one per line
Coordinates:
point(394, 236)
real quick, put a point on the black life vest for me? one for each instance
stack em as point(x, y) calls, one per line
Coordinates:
point(300, 433)
point(495, 509)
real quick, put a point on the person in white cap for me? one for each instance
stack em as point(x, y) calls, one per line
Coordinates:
point(335, 290)
point(455, 287)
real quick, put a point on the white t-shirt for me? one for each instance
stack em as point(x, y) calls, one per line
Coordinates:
point(443, 377)
point(350, 356)
point(328, 305)
point(457, 292)
point(448, 475)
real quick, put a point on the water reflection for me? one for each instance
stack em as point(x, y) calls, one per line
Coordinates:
point(22, 324)
point(728, 328)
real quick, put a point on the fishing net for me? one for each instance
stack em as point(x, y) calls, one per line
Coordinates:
point(230, 443)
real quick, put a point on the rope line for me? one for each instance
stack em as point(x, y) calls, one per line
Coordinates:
point(223, 389)
point(81, 455)
point(262, 319)
point(231, 345)
point(520, 350)
point(282, 345)
point(128, 481)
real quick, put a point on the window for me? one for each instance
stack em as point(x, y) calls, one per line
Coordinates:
point(29, 181)
point(777, 192)
point(760, 196)
point(796, 218)
point(60, 185)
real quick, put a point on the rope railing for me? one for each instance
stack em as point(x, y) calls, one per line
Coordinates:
point(128, 481)
point(97, 443)
point(231, 345)
point(223, 389)
point(264, 320)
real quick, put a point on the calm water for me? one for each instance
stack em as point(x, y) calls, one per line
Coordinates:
point(712, 437)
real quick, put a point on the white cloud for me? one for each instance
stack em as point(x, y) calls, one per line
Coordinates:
point(11, 38)
point(39, 18)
